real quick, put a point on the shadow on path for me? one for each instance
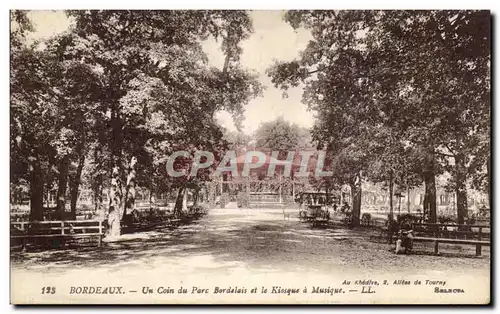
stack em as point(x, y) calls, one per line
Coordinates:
point(256, 240)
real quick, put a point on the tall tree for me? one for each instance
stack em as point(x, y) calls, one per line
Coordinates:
point(157, 55)
point(402, 70)
point(281, 135)
point(33, 111)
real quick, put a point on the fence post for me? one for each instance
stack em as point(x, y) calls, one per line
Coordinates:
point(63, 240)
point(100, 233)
point(478, 250)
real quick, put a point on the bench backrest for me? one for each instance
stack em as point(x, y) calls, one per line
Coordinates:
point(437, 226)
point(62, 227)
point(457, 230)
point(449, 225)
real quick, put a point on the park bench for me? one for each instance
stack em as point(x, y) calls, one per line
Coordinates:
point(451, 234)
point(479, 244)
point(465, 232)
point(149, 218)
point(197, 211)
point(56, 230)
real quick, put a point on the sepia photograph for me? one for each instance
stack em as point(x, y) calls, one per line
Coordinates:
point(250, 157)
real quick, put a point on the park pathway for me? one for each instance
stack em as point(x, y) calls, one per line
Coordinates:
point(234, 247)
point(251, 239)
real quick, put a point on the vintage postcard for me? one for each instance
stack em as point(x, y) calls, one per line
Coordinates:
point(250, 157)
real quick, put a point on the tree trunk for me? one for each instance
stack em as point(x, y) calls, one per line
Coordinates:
point(461, 189)
point(63, 183)
point(114, 222)
point(98, 182)
point(488, 172)
point(327, 191)
point(356, 199)
point(429, 177)
point(425, 202)
point(114, 217)
point(179, 201)
point(408, 199)
point(391, 194)
point(98, 200)
point(130, 192)
point(185, 200)
point(115, 194)
point(75, 184)
point(36, 190)
point(430, 206)
point(196, 196)
point(228, 53)
point(152, 200)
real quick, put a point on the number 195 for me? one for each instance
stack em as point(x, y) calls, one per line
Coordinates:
point(48, 290)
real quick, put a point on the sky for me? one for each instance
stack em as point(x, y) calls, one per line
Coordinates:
point(273, 39)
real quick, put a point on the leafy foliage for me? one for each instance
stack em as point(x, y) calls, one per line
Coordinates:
point(119, 91)
point(397, 93)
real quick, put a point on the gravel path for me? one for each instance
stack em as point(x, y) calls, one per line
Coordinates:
point(259, 239)
point(252, 244)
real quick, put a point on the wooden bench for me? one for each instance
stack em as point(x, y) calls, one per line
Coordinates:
point(479, 244)
point(144, 222)
point(63, 230)
point(466, 232)
point(461, 234)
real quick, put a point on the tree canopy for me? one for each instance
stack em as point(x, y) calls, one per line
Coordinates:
point(112, 97)
point(410, 85)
